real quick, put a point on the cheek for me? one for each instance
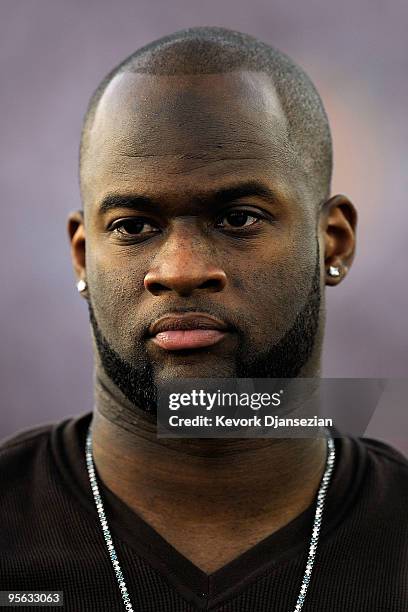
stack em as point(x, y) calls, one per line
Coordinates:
point(116, 289)
point(274, 287)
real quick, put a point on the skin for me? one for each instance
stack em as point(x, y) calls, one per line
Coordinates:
point(173, 139)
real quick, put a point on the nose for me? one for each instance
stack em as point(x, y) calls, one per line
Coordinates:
point(184, 266)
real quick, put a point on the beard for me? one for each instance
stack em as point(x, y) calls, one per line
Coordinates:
point(283, 359)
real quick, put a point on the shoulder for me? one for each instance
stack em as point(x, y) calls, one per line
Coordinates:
point(24, 469)
point(27, 441)
point(29, 476)
point(383, 453)
point(25, 437)
point(23, 453)
point(386, 476)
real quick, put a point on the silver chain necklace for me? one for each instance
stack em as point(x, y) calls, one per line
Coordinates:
point(313, 542)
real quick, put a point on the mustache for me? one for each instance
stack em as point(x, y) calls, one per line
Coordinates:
point(214, 311)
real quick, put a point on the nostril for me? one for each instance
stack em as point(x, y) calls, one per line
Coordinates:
point(156, 288)
point(211, 283)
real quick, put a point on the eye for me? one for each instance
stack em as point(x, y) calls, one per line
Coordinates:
point(133, 226)
point(237, 219)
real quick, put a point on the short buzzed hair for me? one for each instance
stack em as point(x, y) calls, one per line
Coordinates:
point(212, 50)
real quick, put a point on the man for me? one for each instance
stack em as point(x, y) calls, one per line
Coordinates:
point(206, 239)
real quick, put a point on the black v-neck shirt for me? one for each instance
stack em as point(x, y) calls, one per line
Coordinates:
point(51, 538)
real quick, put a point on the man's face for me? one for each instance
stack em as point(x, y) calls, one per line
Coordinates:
point(195, 201)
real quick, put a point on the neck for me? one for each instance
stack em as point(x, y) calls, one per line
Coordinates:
point(220, 481)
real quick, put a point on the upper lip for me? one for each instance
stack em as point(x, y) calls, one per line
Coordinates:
point(188, 320)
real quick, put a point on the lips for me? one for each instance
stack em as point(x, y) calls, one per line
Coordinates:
point(187, 331)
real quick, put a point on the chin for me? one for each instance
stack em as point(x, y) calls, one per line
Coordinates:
point(194, 366)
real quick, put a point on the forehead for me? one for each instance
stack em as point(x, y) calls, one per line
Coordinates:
point(172, 133)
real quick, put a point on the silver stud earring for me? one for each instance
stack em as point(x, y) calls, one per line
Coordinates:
point(82, 286)
point(334, 271)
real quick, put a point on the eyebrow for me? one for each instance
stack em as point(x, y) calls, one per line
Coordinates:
point(216, 197)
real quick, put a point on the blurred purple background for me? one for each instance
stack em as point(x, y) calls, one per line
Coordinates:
point(53, 54)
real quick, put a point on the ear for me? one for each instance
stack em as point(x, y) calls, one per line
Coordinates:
point(338, 222)
point(76, 232)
